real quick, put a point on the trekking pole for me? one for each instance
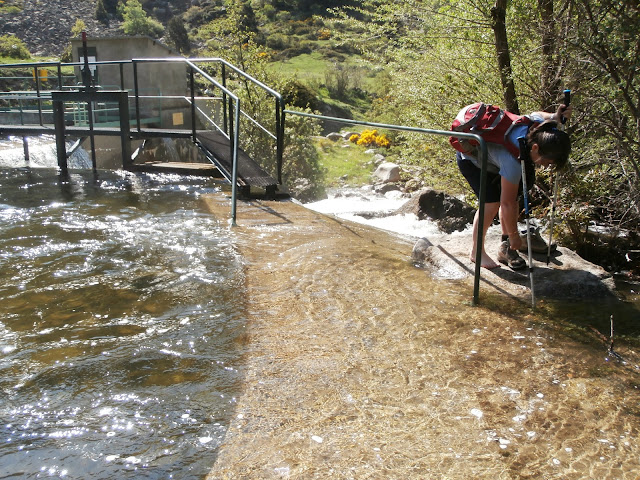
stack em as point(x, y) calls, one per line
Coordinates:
point(567, 101)
point(524, 156)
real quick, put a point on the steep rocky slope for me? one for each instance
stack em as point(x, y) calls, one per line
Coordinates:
point(45, 25)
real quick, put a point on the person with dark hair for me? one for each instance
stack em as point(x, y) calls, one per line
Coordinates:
point(549, 146)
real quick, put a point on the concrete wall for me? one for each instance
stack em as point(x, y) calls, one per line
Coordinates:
point(153, 78)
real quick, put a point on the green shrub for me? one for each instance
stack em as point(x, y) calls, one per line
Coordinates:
point(278, 41)
point(101, 13)
point(136, 21)
point(11, 46)
point(11, 6)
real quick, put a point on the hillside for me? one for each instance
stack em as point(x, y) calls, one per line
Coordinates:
point(45, 26)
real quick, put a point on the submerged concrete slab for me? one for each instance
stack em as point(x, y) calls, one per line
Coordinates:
point(358, 364)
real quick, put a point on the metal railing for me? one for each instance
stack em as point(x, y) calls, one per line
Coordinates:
point(482, 157)
point(232, 114)
point(229, 126)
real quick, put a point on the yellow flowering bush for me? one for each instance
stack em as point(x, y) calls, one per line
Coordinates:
point(370, 138)
point(324, 34)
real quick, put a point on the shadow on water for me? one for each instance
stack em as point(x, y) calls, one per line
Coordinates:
point(604, 322)
point(123, 326)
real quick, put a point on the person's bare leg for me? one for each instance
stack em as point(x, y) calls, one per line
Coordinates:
point(490, 212)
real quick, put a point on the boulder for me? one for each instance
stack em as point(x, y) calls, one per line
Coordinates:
point(387, 172)
point(568, 276)
point(449, 213)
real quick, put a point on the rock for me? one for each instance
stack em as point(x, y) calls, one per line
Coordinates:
point(449, 213)
point(413, 184)
point(383, 188)
point(568, 276)
point(378, 159)
point(387, 172)
point(334, 137)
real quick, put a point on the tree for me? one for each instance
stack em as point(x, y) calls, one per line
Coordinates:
point(136, 21)
point(101, 13)
point(177, 34)
point(76, 31)
point(605, 47)
point(498, 14)
point(111, 6)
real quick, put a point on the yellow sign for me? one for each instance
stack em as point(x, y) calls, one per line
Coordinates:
point(42, 73)
point(178, 119)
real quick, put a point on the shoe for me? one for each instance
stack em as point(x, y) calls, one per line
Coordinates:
point(538, 245)
point(510, 257)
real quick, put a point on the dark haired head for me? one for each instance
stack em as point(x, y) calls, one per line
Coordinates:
point(553, 143)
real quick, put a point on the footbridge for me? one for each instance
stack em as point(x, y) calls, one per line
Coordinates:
point(244, 148)
point(232, 144)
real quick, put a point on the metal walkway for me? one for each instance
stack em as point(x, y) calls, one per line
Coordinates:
point(212, 120)
point(217, 148)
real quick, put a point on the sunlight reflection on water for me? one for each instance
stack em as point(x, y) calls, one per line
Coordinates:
point(122, 303)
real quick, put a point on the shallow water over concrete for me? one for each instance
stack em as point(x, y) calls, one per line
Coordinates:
point(361, 365)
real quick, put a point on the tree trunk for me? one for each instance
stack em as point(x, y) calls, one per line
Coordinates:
point(498, 14)
point(549, 78)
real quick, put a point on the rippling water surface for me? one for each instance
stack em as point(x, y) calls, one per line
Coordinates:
point(126, 317)
point(121, 314)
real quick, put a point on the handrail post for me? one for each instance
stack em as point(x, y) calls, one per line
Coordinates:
point(480, 227)
point(61, 146)
point(279, 136)
point(234, 169)
point(59, 76)
point(136, 93)
point(25, 147)
point(125, 138)
point(193, 104)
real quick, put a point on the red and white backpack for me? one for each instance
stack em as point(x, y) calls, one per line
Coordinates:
point(490, 122)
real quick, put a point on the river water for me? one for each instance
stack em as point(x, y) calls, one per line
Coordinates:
point(132, 341)
point(121, 313)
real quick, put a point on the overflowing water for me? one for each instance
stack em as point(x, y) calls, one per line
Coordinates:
point(121, 314)
point(363, 205)
point(125, 322)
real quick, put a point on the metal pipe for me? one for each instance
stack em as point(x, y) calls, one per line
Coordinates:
point(482, 157)
point(136, 93)
point(193, 104)
point(225, 119)
point(36, 72)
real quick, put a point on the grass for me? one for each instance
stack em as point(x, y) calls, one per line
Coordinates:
point(307, 67)
point(344, 162)
point(313, 68)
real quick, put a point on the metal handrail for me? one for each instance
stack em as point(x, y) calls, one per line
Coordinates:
point(482, 157)
point(232, 132)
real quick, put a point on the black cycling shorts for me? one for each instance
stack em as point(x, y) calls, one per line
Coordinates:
point(472, 174)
